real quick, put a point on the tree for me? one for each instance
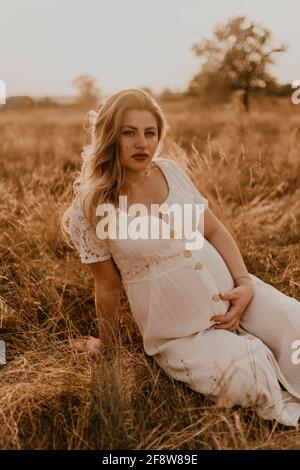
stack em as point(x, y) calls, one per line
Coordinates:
point(237, 57)
point(88, 91)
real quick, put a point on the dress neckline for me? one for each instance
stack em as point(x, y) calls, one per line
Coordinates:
point(157, 161)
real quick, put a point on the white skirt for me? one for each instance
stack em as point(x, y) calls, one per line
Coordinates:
point(173, 307)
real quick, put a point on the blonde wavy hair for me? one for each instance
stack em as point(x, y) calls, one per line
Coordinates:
point(102, 176)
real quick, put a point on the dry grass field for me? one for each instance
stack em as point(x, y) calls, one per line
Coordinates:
point(248, 166)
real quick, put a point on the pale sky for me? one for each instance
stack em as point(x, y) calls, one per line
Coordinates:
point(45, 44)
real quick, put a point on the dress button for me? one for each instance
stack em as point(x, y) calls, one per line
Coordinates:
point(187, 253)
point(199, 265)
point(216, 298)
point(163, 216)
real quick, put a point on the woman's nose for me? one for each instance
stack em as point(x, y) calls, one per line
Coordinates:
point(141, 141)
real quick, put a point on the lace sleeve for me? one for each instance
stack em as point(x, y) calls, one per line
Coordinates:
point(90, 248)
point(187, 182)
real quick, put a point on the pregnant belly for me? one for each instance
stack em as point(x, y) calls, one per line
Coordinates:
point(179, 302)
point(216, 266)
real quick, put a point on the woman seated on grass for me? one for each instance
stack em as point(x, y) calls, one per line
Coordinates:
point(203, 317)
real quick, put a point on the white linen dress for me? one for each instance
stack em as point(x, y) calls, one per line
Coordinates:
point(173, 293)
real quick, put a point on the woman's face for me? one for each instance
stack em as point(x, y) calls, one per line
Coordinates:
point(138, 135)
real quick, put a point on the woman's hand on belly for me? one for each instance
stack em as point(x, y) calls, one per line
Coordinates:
point(240, 297)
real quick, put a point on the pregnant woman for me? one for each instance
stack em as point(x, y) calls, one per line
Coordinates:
point(203, 318)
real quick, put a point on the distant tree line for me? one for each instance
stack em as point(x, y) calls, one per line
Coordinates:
point(237, 58)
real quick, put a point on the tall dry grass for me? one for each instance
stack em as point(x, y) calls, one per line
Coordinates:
point(52, 398)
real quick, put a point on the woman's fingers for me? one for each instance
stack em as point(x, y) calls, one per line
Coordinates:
point(78, 344)
point(87, 344)
point(233, 313)
point(229, 295)
point(231, 325)
point(93, 346)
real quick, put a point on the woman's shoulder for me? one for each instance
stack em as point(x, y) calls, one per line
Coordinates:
point(76, 217)
point(167, 162)
point(90, 248)
point(180, 175)
point(171, 165)
point(164, 160)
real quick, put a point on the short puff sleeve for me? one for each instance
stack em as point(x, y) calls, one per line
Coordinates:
point(90, 248)
point(185, 181)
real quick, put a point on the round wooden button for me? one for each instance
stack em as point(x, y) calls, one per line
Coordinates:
point(216, 298)
point(187, 253)
point(199, 265)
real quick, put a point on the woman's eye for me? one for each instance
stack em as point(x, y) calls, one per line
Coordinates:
point(148, 132)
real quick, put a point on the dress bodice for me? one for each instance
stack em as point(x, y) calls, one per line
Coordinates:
point(136, 257)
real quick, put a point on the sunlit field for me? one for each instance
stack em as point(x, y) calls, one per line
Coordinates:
point(247, 165)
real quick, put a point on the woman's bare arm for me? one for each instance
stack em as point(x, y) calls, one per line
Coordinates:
point(107, 299)
point(217, 234)
point(241, 295)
